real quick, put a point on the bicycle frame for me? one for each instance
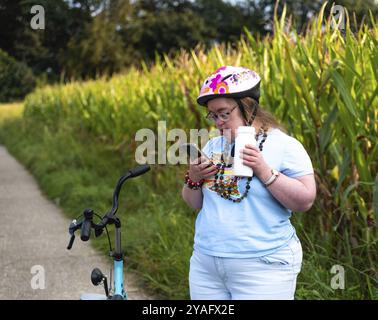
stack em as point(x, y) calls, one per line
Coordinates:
point(118, 267)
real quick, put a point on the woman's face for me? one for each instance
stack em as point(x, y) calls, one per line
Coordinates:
point(218, 108)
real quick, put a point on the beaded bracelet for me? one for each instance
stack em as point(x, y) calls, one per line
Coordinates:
point(191, 184)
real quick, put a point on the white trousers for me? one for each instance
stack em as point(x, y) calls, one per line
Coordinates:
point(270, 277)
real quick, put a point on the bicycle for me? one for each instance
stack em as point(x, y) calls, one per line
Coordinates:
point(87, 224)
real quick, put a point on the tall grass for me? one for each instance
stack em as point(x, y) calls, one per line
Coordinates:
point(10, 111)
point(322, 85)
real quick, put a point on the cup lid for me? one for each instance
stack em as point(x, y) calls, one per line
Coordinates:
point(246, 129)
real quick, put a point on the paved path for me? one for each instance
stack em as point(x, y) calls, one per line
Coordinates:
point(34, 232)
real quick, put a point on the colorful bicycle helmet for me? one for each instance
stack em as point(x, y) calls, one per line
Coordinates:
point(230, 82)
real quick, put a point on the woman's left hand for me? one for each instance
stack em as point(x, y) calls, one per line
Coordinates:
point(253, 158)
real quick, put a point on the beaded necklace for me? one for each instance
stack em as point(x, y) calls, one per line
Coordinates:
point(221, 189)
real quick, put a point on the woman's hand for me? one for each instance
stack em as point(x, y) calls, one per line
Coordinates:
point(201, 168)
point(253, 158)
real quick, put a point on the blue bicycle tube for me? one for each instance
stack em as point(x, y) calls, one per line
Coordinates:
point(118, 279)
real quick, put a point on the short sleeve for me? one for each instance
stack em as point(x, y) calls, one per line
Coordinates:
point(296, 161)
point(211, 146)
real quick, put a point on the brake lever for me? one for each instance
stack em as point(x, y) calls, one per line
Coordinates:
point(71, 242)
point(98, 232)
point(72, 228)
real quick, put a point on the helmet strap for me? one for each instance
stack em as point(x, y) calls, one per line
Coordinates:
point(253, 115)
point(242, 109)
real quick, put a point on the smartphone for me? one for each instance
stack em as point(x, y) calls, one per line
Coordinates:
point(193, 151)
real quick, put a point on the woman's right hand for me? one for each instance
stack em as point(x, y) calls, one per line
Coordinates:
point(201, 168)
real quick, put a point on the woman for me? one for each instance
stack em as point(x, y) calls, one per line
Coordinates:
point(245, 246)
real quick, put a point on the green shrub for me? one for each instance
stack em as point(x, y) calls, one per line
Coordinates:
point(16, 78)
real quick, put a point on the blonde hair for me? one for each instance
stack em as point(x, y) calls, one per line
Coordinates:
point(264, 116)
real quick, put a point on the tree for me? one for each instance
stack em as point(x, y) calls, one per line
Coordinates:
point(16, 36)
point(163, 26)
point(225, 21)
point(85, 38)
point(100, 49)
point(41, 49)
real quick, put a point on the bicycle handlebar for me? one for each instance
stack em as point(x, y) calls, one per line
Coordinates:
point(85, 231)
point(135, 172)
point(87, 223)
point(139, 170)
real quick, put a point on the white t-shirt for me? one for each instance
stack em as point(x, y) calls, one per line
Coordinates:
point(259, 224)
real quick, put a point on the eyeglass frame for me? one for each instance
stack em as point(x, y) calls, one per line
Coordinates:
point(217, 116)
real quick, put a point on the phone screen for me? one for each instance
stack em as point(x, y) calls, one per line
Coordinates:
point(193, 151)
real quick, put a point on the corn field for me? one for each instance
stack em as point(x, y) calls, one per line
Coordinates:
point(321, 85)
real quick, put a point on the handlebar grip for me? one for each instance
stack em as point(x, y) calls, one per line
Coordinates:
point(139, 170)
point(71, 242)
point(85, 231)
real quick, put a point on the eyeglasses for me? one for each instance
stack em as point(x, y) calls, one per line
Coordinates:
point(224, 116)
